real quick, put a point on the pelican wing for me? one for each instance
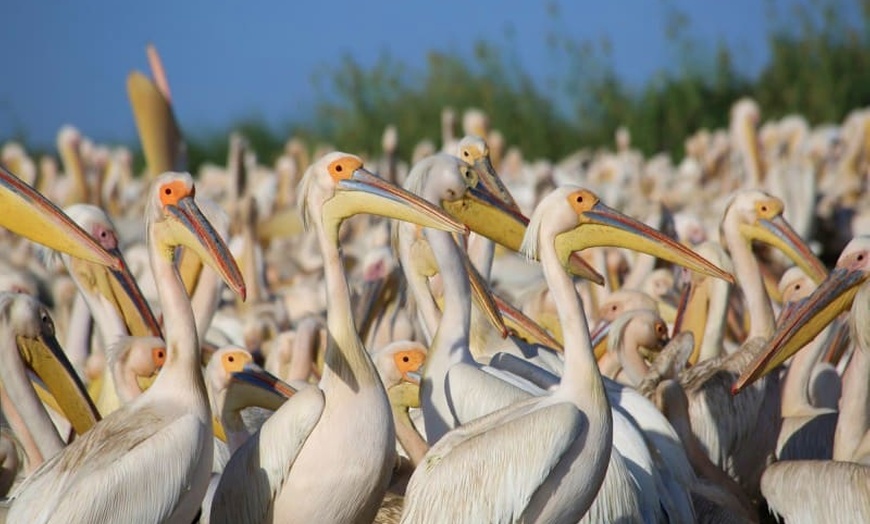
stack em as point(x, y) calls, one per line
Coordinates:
point(257, 470)
point(489, 469)
point(465, 383)
point(122, 468)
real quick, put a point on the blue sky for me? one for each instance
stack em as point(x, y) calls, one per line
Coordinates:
point(66, 61)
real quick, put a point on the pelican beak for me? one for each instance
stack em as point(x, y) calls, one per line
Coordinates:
point(254, 386)
point(492, 182)
point(598, 337)
point(833, 296)
point(119, 288)
point(364, 192)
point(29, 214)
point(776, 232)
point(483, 298)
point(525, 328)
point(44, 356)
point(159, 133)
point(191, 229)
point(502, 221)
point(405, 394)
point(284, 223)
point(189, 268)
point(487, 215)
point(601, 225)
point(412, 377)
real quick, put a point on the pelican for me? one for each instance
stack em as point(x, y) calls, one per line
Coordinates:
point(809, 491)
point(740, 432)
point(149, 460)
point(561, 441)
point(113, 296)
point(28, 342)
point(329, 450)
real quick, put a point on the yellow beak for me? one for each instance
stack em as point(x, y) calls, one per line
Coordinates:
point(25, 212)
point(44, 356)
point(364, 192)
point(833, 296)
point(779, 234)
point(604, 226)
point(191, 229)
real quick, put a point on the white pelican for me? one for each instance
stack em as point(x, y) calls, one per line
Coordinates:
point(28, 342)
point(812, 491)
point(551, 451)
point(329, 450)
point(739, 432)
point(150, 460)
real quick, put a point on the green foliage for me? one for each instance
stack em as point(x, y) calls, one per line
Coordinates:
point(819, 66)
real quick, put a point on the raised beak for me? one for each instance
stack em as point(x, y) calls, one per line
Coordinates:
point(364, 192)
point(522, 326)
point(778, 233)
point(44, 356)
point(195, 232)
point(604, 226)
point(27, 213)
point(159, 133)
point(833, 296)
point(254, 386)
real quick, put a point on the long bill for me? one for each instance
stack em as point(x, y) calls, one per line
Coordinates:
point(192, 230)
point(776, 232)
point(364, 192)
point(488, 215)
point(603, 226)
point(254, 386)
point(26, 212)
point(833, 296)
point(44, 356)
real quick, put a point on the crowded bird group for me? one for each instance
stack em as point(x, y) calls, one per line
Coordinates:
point(465, 337)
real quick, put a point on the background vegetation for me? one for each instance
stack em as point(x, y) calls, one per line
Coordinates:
point(819, 66)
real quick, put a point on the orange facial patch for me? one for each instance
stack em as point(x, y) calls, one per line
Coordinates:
point(582, 200)
point(159, 356)
point(409, 360)
point(234, 361)
point(343, 168)
point(172, 192)
point(768, 208)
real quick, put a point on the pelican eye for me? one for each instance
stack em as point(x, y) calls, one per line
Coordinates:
point(231, 358)
point(406, 359)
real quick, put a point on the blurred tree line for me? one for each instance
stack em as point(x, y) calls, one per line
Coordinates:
point(819, 66)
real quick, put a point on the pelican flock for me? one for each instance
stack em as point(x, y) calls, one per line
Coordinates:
point(462, 337)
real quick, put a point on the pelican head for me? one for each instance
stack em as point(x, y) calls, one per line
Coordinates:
point(644, 328)
point(29, 321)
point(174, 219)
point(117, 286)
point(26, 212)
point(475, 151)
point(140, 356)
point(337, 186)
point(758, 216)
point(581, 220)
point(808, 318)
point(400, 361)
point(236, 382)
point(614, 306)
